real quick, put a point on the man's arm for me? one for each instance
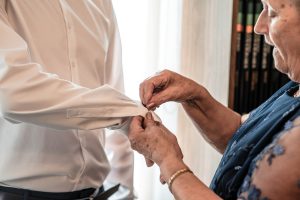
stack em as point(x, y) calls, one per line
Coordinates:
point(117, 146)
point(28, 94)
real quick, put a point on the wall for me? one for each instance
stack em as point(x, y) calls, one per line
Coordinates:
point(206, 33)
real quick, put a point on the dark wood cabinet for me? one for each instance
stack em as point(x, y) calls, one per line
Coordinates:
point(253, 77)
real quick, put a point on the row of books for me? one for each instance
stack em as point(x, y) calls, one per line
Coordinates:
point(255, 75)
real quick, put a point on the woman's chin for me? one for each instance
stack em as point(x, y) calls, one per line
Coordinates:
point(280, 67)
point(294, 77)
point(279, 63)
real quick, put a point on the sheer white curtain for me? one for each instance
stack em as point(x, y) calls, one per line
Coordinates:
point(205, 57)
point(150, 33)
point(191, 37)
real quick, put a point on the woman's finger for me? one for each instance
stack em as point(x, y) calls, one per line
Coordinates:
point(149, 121)
point(162, 180)
point(169, 94)
point(136, 126)
point(149, 162)
point(141, 93)
point(146, 90)
point(150, 87)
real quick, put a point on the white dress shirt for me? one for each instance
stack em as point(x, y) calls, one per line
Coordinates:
point(60, 82)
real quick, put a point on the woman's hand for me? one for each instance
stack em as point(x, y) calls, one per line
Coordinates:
point(215, 122)
point(167, 86)
point(153, 140)
point(158, 144)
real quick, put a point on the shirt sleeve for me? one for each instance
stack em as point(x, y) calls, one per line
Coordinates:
point(277, 172)
point(28, 94)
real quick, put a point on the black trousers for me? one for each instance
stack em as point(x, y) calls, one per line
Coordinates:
point(7, 193)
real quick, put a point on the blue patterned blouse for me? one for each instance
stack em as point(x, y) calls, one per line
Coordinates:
point(249, 141)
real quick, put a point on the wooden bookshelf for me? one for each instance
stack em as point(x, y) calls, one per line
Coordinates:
point(253, 77)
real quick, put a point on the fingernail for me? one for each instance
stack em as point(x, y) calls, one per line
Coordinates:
point(149, 115)
point(150, 105)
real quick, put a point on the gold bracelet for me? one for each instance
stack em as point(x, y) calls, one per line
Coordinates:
point(175, 175)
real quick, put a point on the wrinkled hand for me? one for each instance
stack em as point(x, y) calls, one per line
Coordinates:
point(149, 162)
point(167, 86)
point(153, 140)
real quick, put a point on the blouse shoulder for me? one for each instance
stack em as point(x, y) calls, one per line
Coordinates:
point(277, 173)
point(273, 98)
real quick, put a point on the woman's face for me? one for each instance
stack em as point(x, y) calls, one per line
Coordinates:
point(279, 22)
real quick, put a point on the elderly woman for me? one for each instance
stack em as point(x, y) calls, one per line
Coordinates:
point(261, 150)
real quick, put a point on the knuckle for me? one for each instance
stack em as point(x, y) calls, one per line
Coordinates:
point(165, 71)
point(131, 139)
point(141, 85)
point(157, 123)
point(174, 138)
point(132, 144)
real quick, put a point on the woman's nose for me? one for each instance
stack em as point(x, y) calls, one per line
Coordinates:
point(261, 26)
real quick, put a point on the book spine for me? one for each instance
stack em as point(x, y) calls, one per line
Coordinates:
point(247, 56)
point(239, 55)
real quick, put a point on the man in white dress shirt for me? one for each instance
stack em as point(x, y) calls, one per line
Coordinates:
point(61, 83)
